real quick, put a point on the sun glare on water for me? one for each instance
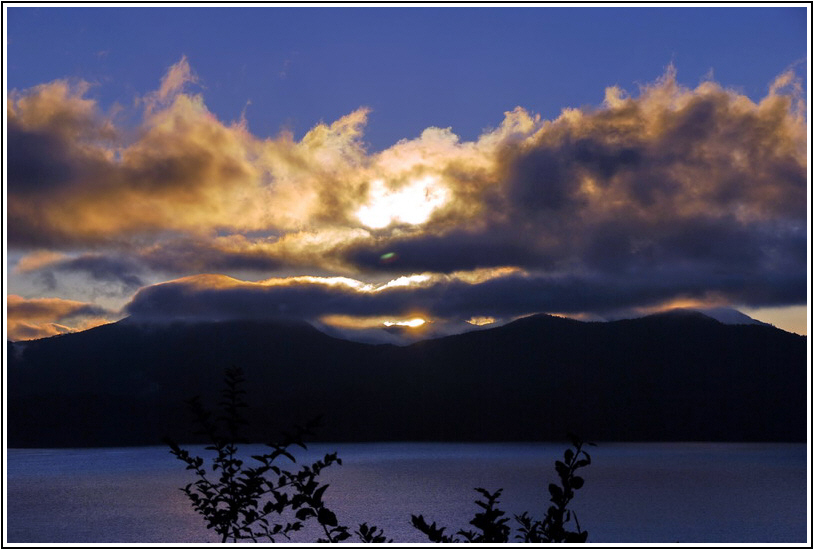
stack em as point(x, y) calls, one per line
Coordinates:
point(412, 204)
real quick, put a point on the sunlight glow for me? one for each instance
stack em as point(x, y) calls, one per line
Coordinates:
point(327, 281)
point(682, 303)
point(407, 280)
point(475, 276)
point(412, 204)
point(361, 322)
point(482, 274)
point(411, 323)
point(790, 318)
point(480, 321)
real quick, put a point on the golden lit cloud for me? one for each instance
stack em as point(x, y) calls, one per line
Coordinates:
point(481, 275)
point(480, 321)
point(40, 317)
point(668, 194)
point(669, 153)
point(172, 84)
point(37, 260)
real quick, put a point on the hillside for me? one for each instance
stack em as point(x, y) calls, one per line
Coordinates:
point(673, 376)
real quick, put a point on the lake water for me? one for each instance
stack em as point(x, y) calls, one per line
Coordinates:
point(633, 493)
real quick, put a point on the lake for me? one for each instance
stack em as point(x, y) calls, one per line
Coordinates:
point(633, 493)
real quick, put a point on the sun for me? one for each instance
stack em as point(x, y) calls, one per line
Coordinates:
point(412, 204)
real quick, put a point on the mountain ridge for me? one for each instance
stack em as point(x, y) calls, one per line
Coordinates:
point(669, 376)
point(727, 316)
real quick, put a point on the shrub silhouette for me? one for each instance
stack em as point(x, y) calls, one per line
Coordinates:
point(240, 502)
point(492, 526)
point(247, 503)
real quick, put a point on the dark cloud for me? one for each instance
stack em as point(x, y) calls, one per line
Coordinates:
point(454, 251)
point(190, 255)
point(37, 161)
point(44, 168)
point(223, 298)
point(117, 270)
point(446, 297)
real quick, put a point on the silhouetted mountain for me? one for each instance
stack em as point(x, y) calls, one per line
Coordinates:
point(674, 376)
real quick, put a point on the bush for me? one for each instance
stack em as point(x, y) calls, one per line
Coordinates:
point(256, 503)
point(249, 503)
point(491, 523)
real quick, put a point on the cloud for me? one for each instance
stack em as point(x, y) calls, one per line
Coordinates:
point(303, 297)
point(37, 260)
point(41, 317)
point(172, 84)
point(676, 183)
point(68, 187)
point(184, 173)
point(120, 271)
point(229, 253)
point(646, 198)
point(440, 298)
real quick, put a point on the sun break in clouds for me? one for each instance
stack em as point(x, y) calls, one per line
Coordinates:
point(652, 198)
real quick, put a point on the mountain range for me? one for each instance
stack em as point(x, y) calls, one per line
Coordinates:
point(674, 376)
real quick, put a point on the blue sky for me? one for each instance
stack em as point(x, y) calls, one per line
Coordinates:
point(361, 166)
point(414, 67)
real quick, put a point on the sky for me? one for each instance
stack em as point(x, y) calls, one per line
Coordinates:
point(399, 172)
